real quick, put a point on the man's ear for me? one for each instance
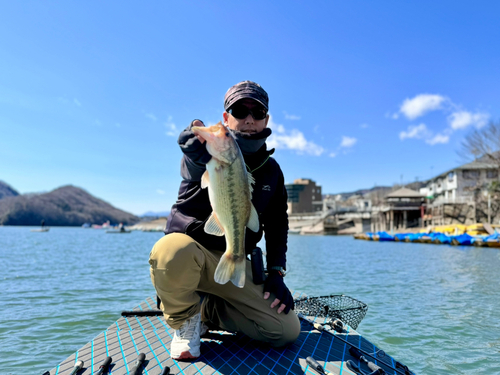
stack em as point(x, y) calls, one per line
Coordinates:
point(225, 116)
point(267, 120)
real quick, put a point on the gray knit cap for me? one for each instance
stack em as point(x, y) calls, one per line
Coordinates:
point(244, 90)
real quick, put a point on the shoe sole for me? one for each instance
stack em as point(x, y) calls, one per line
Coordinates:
point(185, 355)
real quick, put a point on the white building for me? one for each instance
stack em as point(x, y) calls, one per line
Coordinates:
point(461, 183)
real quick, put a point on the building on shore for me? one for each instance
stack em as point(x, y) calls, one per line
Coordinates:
point(464, 195)
point(467, 194)
point(463, 182)
point(403, 209)
point(304, 196)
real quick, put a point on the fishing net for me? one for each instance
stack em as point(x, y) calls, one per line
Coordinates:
point(336, 306)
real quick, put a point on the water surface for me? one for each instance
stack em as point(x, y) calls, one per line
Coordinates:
point(433, 307)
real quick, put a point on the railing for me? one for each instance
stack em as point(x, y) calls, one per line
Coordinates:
point(459, 200)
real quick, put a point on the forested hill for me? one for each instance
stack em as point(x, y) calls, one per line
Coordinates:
point(65, 206)
point(7, 191)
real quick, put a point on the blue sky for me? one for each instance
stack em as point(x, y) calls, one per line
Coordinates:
point(362, 93)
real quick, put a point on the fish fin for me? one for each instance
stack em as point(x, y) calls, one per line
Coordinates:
point(238, 277)
point(253, 220)
point(212, 226)
point(205, 180)
point(251, 181)
point(228, 269)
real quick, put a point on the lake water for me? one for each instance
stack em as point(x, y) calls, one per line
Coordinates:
point(434, 308)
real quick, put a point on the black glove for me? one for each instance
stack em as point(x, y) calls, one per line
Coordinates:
point(275, 284)
point(192, 147)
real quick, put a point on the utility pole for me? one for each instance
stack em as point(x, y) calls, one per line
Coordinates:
point(489, 208)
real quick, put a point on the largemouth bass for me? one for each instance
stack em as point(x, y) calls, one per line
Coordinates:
point(230, 192)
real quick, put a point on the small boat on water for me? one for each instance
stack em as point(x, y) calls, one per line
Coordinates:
point(118, 231)
point(40, 230)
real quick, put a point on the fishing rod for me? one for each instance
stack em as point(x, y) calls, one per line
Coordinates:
point(104, 368)
point(78, 367)
point(136, 370)
point(350, 364)
point(355, 368)
point(372, 366)
point(322, 328)
point(142, 313)
point(315, 365)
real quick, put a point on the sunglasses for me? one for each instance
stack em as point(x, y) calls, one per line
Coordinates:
point(241, 112)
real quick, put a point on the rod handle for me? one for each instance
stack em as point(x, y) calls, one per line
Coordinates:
point(138, 364)
point(105, 366)
point(315, 365)
point(78, 367)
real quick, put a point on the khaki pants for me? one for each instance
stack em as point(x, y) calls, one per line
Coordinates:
point(181, 267)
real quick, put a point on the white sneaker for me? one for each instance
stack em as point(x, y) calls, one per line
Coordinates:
point(203, 329)
point(186, 341)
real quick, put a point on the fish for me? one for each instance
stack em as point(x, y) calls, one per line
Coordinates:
point(230, 193)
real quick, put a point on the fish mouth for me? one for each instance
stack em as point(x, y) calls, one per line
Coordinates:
point(205, 132)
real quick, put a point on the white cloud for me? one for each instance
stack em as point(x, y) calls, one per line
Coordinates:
point(348, 141)
point(279, 128)
point(332, 154)
point(159, 191)
point(171, 129)
point(364, 126)
point(418, 131)
point(463, 119)
point(438, 138)
point(420, 105)
point(421, 132)
point(457, 118)
point(291, 117)
point(77, 102)
point(151, 116)
point(292, 140)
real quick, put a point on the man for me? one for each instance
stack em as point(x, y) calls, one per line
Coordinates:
point(184, 261)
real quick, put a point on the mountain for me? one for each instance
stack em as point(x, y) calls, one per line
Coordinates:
point(7, 191)
point(65, 206)
point(156, 214)
point(382, 191)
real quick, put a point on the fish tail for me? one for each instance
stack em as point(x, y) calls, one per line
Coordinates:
point(228, 269)
point(238, 277)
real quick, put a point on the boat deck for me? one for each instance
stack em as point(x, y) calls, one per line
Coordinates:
point(222, 352)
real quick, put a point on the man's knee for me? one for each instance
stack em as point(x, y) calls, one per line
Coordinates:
point(285, 332)
point(290, 331)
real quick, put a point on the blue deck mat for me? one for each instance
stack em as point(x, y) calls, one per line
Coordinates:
point(222, 352)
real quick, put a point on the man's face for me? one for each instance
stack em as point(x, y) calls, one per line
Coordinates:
point(248, 124)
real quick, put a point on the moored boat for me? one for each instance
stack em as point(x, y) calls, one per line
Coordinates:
point(111, 231)
point(480, 235)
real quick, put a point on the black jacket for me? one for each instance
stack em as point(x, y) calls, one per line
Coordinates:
point(192, 209)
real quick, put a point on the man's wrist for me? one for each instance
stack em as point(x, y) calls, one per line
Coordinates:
point(280, 270)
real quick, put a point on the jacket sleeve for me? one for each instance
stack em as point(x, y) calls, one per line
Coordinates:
point(275, 221)
point(195, 156)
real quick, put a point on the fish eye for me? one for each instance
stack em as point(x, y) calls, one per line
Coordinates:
point(227, 134)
